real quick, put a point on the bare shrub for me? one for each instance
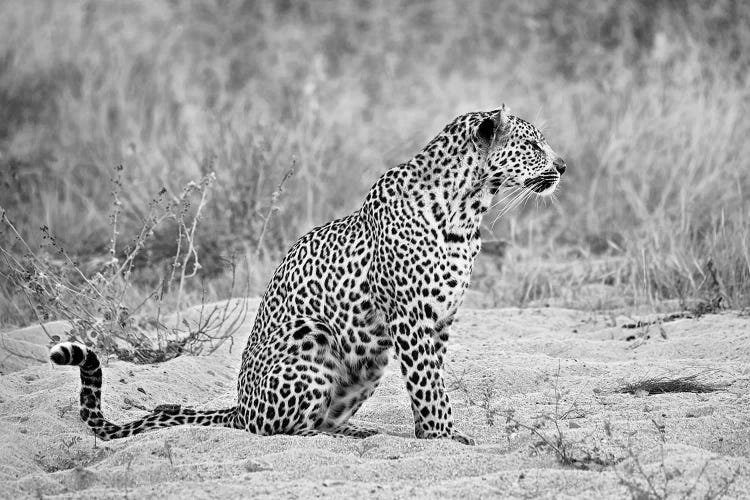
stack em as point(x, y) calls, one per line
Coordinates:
point(102, 306)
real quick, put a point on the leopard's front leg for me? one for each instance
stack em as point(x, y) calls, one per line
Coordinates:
point(440, 335)
point(421, 366)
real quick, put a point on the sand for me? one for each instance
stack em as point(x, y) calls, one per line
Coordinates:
point(536, 362)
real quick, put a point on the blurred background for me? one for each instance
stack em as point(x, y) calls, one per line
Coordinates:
point(646, 100)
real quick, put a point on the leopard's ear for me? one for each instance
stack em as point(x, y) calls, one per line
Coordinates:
point(502, 121)
point(492, 128)
point(484, 134)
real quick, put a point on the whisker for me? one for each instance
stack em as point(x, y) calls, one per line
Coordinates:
point(520, 195)
point(510, 195)
point(507, 207)
point(512, 192)
point(518, 199)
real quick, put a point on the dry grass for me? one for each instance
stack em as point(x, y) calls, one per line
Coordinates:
point(662, 384)
point(646, 101)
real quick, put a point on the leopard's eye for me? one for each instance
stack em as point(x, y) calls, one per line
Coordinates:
point(535, 145)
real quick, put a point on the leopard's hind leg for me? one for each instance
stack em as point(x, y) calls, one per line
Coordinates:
point(287, 379)
point(296, 381)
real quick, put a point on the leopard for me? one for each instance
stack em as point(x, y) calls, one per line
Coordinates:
point(383, 283)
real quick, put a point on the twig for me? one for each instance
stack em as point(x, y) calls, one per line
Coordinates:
point(191, 251)
point(272, 208)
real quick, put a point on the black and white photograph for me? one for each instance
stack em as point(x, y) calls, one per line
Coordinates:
point(392, 249)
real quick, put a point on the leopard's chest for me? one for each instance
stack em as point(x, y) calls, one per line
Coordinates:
point(451, 277)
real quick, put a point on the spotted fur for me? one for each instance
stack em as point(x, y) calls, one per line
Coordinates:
point(387, 278)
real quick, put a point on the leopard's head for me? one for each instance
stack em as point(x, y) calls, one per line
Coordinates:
point(514, 154)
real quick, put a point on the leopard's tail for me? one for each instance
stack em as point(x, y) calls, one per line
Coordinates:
point(69, 353)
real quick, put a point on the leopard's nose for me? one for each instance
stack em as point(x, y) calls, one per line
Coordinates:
point(560, 165)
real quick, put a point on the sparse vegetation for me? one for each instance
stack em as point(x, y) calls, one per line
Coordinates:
point(642, 481)
point(69, 455)
point(568, 452)
point(658, 483)
point(645, 484)
point(547, 426)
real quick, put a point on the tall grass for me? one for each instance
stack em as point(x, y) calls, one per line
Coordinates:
point(646, 100)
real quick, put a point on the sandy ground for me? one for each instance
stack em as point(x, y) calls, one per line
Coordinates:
point(537, 362)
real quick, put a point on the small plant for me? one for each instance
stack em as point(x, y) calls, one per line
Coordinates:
point(658, 484)
point(68, 456)
point(483, 399)
point(127, 479)
point(165, 452)
point(363, 447)
point(62, 410)
point(569, 453)
point(67, 443)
